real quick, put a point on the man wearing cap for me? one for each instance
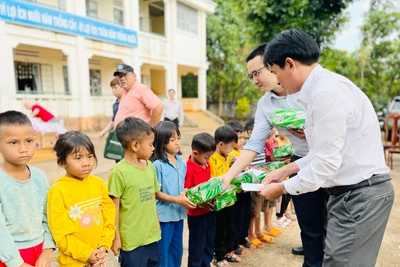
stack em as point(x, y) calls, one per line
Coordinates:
point(137, 101)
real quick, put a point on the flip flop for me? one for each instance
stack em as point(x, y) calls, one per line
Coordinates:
point(248, 246)
point(232, 257)
point(256, 242)
point(267, 239)
point(241, 252)
point(275, 232)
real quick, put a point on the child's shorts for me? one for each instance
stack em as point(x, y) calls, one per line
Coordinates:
point(147, 255)
point(29, 255)
point(258, 204)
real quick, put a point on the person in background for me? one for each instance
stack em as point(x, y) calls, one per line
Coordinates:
point(137, 101)
point(117, 92)
point(40, 112)
point(173, 109)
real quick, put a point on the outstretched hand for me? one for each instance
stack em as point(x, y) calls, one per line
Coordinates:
point(274, 177)
point(184, 201)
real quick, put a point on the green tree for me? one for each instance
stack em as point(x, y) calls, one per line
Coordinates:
point(242, 107)
point(237, 27)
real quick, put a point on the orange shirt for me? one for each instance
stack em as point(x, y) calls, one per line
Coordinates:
point(137, 102)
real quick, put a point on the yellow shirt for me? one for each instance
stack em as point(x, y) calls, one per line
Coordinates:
point(81, 217)
point(219, 165)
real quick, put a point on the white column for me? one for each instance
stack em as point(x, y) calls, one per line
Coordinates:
point(202, 88)
point(81, 89)
point(8, 87)
point(80, 7)
point(170, 14)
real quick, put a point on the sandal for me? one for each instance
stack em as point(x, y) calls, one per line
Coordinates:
point(291, 216)
point(222, 263)
point(282, 222)
point(248, 245)
point(241, 252)
point(256, 242)
point(232, 257)
point(275, 232)
point(267, 239)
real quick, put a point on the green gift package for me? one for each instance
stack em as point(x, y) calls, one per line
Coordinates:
point(274, 165)
point(205, 191)
point(282, 151)
point(288, 118)
point(250, 177)
point(224, 200)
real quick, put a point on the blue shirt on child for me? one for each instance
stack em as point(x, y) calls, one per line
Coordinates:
point(172, 182)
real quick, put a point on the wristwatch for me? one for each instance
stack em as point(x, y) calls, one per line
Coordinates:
point(283, 188)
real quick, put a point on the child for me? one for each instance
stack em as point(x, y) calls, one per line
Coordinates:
point(202, 220)
point(25, 238)
point(270, 143)
point(132, 186)
point(80, 212)
point(243, 203)
point(117, 92)
point(171, 199)
point(225, 137)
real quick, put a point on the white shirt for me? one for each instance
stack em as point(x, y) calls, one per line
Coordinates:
point(262, 123)
point(173, 110)
point(343, 132)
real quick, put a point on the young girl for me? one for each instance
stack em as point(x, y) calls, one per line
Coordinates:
point(171, 200)
point(81, 215)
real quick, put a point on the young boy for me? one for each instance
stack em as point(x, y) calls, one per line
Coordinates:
point(25, 238)
point(117, 92)
point(132, 186)
point(201, 221)
point(220, 162)
point(243, 203)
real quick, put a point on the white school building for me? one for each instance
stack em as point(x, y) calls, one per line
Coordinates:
point(62, 54)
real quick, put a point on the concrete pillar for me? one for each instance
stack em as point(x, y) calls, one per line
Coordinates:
point(8, 87)
point(170, 32)
point(202, 88)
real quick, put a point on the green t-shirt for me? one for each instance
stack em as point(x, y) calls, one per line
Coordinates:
point(136, 188)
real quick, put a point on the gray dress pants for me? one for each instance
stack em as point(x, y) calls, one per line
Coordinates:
point(356, 223)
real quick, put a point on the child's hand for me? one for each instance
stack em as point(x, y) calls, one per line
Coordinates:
point(116, 245)
point(207, 206)
point(93, 259)
point(184, 201)
point(44, 259)
point(101, 257)
point(26, 265)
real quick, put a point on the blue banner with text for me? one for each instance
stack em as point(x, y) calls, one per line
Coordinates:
point(38, 16)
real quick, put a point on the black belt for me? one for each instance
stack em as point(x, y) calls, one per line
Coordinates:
point(374, 180)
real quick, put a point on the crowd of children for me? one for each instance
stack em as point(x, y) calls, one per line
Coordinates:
point(140, 215)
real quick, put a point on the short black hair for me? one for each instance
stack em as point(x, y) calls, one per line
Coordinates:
point(249, 125)
point(70, 143)
point(132, 129)
point(203, 142)
point(292, 43)
point(237, 126)
point(258, 51)
point(225, 134)
point(13, 117)
point(163, 131)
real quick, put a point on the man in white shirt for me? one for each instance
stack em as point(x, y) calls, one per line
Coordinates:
point(346, 155)
point(173, 109)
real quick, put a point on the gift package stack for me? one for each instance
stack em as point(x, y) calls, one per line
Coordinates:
point(282, 151)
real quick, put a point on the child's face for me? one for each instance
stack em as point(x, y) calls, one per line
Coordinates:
point(174, 144)
point(241, 140)
point(224, 149)
point(272, 134)
point(79, 164)
point(144, 148)
point(117, 91)
point(17, 144)
point(201, 158)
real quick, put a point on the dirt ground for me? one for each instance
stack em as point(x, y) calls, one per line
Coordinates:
point(277, 254)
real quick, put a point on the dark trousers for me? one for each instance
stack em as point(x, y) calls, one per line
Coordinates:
point(225, 233)
point(201, 239)
point(175, 121)
point(143, 256)
point(242, 216)
point(311, 215)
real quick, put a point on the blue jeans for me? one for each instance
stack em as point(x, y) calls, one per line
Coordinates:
point(171, 244)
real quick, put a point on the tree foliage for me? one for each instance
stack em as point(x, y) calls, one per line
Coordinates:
point(237, 27)
point(242, 107)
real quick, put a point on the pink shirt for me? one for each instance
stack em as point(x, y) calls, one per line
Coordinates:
point(137, 102)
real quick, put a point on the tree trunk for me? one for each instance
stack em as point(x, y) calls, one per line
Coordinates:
point(219, 100)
